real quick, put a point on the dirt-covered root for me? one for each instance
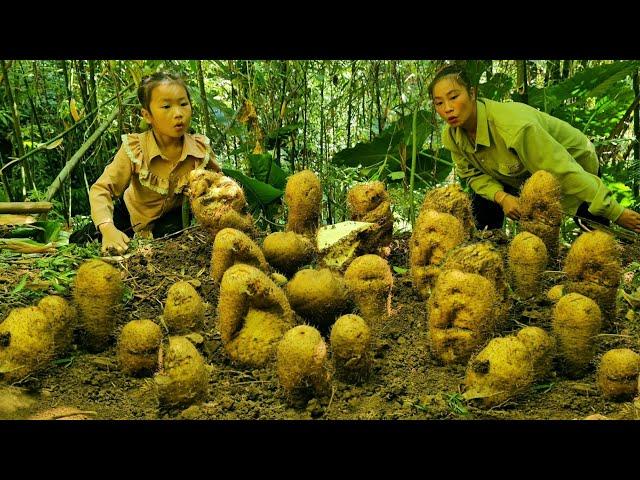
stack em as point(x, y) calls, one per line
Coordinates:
point(542, 348)
point(63, 318)
point(218, 202)
point(288, 251)
point(302, 364)
point(369, 281)
point(593, 267)
point(27, 343)
point(232, 246)
point(97, 294)
point(318, 296)
point(351, 349)
point(576, 322)
point(618, 373)
point(370, 202)
point(303, 197)
point(184, 309)
point(527, 260)
point(462, 315)
point(253, 314)
point(483, 259)
point(434, 235)
point(453, 200)
point(184, 377)
point(499, 372)
point(541, 210)
point(555, 293)
point(138, 347)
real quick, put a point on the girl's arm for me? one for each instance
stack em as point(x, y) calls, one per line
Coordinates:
point(111, 184)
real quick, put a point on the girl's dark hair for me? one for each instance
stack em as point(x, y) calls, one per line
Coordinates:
point(148, 83)
point(454, 70)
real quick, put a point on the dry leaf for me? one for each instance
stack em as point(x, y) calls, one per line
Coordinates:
point(74, 109)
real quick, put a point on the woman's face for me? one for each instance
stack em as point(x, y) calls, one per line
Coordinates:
point(454, 104)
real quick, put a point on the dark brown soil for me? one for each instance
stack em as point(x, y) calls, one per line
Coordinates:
point(406, 382)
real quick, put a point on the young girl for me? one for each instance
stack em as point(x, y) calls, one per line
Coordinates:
point(497, 146)
point(151, 168)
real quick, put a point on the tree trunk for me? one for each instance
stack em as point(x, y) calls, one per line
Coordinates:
point(112, 64)
point(636, 135)
point(522, 83)
point(205, 104)
point(282, 110)
point(376, 79)
point(16, 127)
point(305, 113)
point(353, 74)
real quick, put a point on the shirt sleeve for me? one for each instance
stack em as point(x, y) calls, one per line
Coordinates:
point(111, 184)
point(538, 150)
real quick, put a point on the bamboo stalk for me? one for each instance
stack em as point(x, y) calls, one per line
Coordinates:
point(73, 161)
point(25, 207)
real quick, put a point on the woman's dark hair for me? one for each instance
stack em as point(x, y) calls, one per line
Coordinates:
point(451, 70)
point(148, 83)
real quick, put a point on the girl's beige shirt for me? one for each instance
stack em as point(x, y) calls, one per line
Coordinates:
point(151, 183)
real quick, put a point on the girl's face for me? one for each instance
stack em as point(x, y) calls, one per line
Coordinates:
point(454, 104)
point(170, 110)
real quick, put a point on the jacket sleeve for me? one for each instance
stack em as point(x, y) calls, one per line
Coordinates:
point(111, 184)
point(538, 150)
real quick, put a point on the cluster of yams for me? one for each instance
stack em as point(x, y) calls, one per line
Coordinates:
point(462, 279)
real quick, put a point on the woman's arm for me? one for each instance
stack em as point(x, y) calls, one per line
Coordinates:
point(538, 150)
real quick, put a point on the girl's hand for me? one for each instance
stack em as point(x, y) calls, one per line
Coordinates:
point(629, 219)
point(510, 205)
point(113, 239)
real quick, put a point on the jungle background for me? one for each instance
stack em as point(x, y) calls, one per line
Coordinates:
point(349, 121)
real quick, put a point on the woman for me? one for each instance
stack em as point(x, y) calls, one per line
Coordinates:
point(497, 146)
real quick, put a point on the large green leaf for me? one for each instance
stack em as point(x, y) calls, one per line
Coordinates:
point(497, 88)
point(265, 169)
point(258, 193)
point(395, 140)
point(591, 82)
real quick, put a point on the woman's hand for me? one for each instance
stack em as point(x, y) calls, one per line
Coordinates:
point(510, 205)
point(629, 219)
point(113, 239)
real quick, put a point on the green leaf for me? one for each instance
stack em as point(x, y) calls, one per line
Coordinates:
point(400, 270)
point(262, 165)
point(258, 193)
point(396, 175)
point(21, 284)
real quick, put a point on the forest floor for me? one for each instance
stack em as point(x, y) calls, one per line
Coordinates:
point(406, 381)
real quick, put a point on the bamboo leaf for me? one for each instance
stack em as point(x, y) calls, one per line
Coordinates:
point(73, 108)
point(21, 284)
point(57, 143)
